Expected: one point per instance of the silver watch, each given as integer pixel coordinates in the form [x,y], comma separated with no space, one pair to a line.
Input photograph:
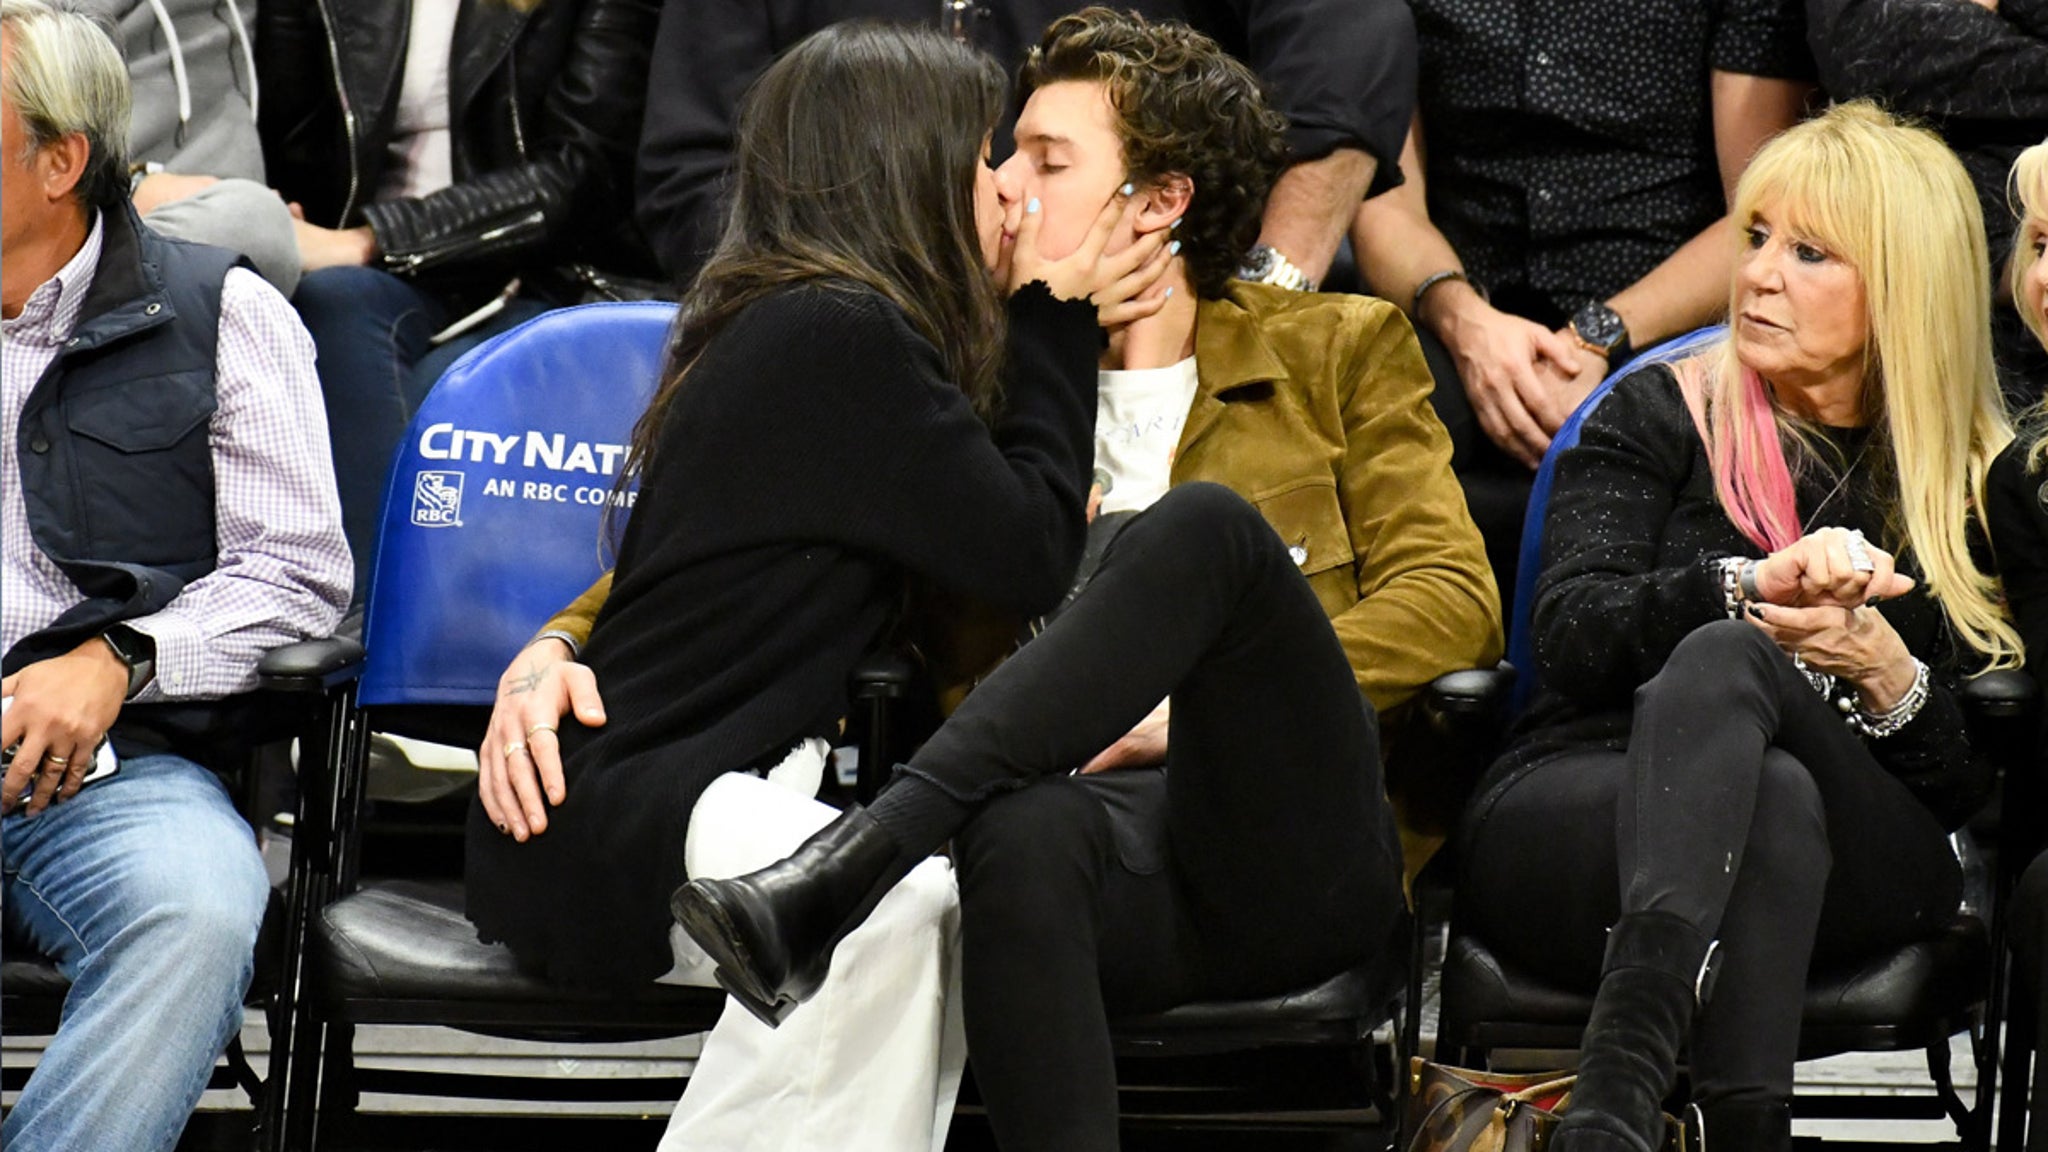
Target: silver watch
[1265,264]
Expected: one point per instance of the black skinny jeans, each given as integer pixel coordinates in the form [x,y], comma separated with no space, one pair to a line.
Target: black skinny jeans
[1744,806]
[1277,863]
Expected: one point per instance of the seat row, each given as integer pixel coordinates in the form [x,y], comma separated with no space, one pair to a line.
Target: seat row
[491,521]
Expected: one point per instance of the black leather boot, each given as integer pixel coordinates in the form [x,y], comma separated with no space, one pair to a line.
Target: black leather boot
[1655,976]
[772,932]
[1743,1127]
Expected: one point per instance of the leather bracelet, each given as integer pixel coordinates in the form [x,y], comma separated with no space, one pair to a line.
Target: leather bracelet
[1881,724]
[1431,281]
[575,649]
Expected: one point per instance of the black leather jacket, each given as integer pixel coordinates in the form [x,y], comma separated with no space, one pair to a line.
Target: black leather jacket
[545,107]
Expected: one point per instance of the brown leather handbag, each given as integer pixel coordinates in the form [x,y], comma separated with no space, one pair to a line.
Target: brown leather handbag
[1464,1110]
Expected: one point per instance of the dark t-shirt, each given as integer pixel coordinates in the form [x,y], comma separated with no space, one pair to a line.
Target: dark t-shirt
[1570,143]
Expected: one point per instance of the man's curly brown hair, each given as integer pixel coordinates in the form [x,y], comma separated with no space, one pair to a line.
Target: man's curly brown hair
[1183,106]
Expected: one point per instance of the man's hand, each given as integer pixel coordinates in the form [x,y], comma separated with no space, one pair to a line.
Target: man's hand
[1142,747]
[1593,368]
[1517,373]
[522,753]
[331,247]
[62,708]
[160,188]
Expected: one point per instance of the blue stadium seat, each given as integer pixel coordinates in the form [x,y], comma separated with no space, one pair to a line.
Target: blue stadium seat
[1521,648]
[493,513]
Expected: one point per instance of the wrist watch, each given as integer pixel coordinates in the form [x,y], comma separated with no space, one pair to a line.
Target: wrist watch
[1265,264]
[137,651]
[1600,330]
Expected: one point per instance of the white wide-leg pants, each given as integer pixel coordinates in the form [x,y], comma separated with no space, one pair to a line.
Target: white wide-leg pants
[873,1061]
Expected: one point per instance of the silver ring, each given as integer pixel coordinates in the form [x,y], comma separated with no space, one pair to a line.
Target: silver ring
[1859,552]
[516,748]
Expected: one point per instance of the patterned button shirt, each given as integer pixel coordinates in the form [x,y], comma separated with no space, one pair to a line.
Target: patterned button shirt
[1569,143]
[283,572]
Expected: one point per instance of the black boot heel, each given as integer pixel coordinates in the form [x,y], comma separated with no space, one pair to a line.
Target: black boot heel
[769,1012]
[772,932]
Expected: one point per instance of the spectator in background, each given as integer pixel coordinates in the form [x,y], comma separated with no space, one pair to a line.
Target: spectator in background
[198,162]
[461,167]
[1568,173]
[1977,72]
[1341,71]
[167,513]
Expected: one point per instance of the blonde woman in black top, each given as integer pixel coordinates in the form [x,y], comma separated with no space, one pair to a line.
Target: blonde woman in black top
[1760,589]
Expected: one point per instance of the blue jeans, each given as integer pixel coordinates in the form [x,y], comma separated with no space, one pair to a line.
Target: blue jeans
[371,331]
[147,891]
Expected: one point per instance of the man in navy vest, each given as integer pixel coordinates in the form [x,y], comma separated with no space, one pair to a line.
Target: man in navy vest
[167,513]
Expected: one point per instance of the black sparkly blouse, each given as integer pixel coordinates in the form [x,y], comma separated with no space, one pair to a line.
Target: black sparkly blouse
[1630,540]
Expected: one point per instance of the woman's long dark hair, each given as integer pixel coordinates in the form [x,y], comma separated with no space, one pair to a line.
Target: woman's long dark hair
[855,165]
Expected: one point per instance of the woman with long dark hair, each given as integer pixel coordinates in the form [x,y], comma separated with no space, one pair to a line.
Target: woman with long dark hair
[850,403]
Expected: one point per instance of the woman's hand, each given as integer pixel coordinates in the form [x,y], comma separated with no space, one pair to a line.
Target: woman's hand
[1142,747]
[1857,645]
[1821,569]
[1081,273]
[522,753]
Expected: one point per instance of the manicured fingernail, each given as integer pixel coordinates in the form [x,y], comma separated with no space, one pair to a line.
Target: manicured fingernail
[1173,249]
[1031,205]
[1169,294]
[1173,225]
[1128,189]
[504,829]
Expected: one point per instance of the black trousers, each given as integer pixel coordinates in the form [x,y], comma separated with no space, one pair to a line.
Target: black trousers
[1264,857]
[1743,805]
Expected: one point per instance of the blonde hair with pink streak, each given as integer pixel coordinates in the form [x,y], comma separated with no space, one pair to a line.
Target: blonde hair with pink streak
[1894,203]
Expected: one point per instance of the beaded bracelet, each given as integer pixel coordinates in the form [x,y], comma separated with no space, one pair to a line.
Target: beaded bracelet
[1882,724]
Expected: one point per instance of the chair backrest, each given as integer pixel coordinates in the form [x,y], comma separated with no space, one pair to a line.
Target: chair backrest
[1521,647]
[495,504]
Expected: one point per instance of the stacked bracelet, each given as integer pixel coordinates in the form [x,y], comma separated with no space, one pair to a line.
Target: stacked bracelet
[1881,724]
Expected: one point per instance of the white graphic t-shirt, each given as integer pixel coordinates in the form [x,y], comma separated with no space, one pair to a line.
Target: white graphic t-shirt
[1138,420]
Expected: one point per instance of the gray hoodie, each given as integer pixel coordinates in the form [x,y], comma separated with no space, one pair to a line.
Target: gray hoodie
[192,66]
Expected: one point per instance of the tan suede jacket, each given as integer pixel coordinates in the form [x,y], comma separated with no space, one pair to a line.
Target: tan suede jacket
[1315,408]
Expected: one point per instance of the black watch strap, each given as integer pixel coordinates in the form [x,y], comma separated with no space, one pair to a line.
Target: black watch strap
[138,651]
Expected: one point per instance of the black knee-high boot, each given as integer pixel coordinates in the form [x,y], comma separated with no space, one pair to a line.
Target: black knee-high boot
[772,932]
[1654,977]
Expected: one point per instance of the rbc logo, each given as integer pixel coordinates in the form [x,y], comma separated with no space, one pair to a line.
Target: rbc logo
[437,500]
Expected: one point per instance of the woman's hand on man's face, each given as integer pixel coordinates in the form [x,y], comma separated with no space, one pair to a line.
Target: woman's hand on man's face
[1086,271]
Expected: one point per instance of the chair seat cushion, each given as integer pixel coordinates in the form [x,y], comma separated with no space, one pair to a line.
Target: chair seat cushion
[1908,997]
[33,979]
[401,952]
[1347,1001]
